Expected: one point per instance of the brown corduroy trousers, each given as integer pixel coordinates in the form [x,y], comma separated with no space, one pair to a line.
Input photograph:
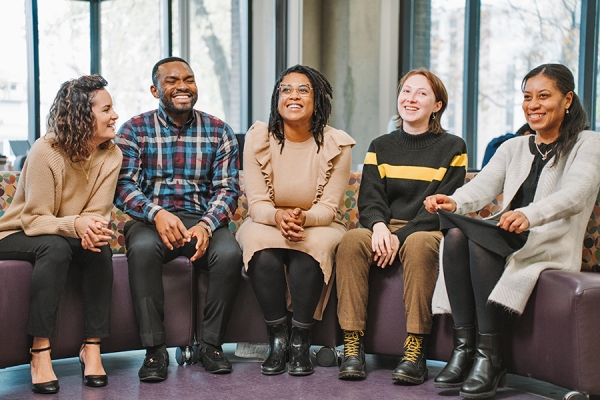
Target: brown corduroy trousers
[419,256]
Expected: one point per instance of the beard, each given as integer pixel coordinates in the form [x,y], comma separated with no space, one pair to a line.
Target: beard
[170,106]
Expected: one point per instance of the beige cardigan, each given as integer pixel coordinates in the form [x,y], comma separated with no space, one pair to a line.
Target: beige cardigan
[273,180]
[52,191]
[557,216]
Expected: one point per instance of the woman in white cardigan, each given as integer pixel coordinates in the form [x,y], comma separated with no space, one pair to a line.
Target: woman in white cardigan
[549,181]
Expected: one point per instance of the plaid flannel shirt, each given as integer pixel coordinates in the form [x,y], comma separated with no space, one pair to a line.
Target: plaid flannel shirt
[190,168]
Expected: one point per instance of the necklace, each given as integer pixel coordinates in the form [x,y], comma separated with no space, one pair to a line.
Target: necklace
[87,173]
[544,155]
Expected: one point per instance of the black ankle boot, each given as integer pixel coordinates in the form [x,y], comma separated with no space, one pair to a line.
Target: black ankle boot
[353,364]
[461,360]
[278,350]
[488,372]
[413,366]
[300,363]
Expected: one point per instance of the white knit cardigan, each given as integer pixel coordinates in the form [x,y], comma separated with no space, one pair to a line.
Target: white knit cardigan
[558,215]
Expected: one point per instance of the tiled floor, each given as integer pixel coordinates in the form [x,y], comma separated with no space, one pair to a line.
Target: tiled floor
[246,381]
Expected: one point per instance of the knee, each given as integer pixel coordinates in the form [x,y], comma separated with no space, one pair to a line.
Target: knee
[55,248]
[354,243]
[423,240]
[454,236]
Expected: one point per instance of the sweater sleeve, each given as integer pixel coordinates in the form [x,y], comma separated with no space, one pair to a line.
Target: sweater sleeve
[324,211]
[373,206]
[43,191]
[260,206]
[453,179]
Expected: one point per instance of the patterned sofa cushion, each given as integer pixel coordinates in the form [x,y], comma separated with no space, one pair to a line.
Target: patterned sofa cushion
[591,242]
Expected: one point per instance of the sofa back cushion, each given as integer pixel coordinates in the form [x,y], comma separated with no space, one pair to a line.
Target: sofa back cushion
[591,242]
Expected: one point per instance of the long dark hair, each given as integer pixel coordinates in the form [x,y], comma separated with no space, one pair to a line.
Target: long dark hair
[323,93]
[72,120]
[576,120]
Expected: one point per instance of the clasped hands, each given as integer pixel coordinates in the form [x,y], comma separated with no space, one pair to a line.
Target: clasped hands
[93,231]
[385,245]
[174,234]
[291,222]
[512,221]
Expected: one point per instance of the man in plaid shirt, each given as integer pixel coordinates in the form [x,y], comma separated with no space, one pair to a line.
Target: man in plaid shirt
[179,183]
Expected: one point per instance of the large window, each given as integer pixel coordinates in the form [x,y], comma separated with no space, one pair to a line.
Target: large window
[515,37]
[215,56]
[13,75]
[131,46]
[132,36]
[64,47]
[447,44]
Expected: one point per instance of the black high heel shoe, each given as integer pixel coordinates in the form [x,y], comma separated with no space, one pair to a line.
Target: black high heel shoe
[91,380]
[46,387]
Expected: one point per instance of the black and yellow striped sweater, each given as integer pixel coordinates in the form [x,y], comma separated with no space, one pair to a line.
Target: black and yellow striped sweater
[400,170]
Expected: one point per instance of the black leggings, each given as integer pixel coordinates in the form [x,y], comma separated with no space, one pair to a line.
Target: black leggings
[471,273]
[267,275]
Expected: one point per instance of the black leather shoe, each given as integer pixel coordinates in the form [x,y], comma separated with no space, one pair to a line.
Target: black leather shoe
[413,366]
[50,387]
[213,359]
[461,360]
[300,363]
[155,367]
[91,380]
[488,372]
[278,350]
[45,388]
[353,364]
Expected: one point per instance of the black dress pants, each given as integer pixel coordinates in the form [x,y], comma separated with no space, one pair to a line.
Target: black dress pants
[51,256]
[146,254]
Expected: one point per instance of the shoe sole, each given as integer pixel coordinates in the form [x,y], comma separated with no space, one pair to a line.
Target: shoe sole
[352,375]
[220,371]
[302,373]
[152,379]
[410,379]
[446,385]
[273,372]
[501,383]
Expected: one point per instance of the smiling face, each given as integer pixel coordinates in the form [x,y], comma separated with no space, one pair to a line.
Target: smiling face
[294,108]
[545,106]
[176,88]
[416,103]
[106,117]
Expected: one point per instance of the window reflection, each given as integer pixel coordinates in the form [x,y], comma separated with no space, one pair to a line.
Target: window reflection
[516,37]
[131,46]
[215,40]
[447,59]
[64,39]
[13,75]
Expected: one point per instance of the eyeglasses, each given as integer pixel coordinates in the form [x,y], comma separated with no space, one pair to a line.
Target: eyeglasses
[286,90]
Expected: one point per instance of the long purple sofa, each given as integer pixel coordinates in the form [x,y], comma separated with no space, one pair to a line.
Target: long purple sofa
[556,340]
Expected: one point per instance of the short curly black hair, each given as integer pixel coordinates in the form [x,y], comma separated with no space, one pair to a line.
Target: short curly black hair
[323,93]
[164,61]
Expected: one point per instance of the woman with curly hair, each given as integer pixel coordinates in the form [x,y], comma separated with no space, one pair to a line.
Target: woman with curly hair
[293,217]
[59,216]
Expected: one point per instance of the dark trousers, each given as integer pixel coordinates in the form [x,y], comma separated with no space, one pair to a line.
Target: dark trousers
[146,254]
[304,279]
[51,256]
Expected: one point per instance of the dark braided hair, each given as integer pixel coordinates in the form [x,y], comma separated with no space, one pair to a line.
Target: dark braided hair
[573,122]
[323,93]
[72,120]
